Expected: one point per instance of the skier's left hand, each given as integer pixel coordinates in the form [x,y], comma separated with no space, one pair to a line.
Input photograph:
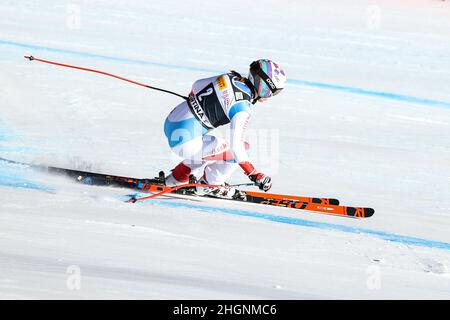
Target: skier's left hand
[261,181]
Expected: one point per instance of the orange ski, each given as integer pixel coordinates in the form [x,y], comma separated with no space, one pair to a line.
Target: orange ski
[356,212]
[294,202]
[322,205]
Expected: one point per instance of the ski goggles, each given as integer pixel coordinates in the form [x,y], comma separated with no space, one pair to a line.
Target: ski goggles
[266,88]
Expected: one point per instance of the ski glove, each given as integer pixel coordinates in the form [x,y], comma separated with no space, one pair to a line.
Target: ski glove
[261,181]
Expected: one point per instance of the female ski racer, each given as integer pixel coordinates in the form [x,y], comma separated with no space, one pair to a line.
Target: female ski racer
[214,102]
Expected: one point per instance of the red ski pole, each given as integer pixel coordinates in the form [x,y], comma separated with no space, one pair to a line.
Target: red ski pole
[31,58]
[171,189]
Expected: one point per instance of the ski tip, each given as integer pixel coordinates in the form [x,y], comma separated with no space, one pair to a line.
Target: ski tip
[368,212]
[8,161]
[359,212]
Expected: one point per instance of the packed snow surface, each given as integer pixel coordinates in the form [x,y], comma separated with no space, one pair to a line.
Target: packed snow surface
[365,118]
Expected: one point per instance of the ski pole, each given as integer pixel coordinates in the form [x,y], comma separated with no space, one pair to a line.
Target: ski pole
[243,184]
[169,190]
[31,58]
[134,199]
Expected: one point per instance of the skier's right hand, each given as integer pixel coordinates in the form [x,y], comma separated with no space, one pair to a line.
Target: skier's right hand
[261,181]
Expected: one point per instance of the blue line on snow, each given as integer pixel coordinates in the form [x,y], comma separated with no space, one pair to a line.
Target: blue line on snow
[10,175]
[379,94]
[13,176]
[351,90]
[13,181]
[312,224]
[5,135]
[104,57]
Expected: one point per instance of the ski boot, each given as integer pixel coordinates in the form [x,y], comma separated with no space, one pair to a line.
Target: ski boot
[224,191]
[160,179]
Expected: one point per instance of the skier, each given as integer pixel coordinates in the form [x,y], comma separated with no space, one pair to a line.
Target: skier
[213,102]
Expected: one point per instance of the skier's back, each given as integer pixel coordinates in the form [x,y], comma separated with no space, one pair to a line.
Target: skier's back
[213,102]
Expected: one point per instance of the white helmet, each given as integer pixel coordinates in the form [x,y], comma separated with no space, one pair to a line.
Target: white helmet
[267,78]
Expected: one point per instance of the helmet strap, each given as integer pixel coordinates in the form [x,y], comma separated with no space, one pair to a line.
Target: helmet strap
[249,84]
[256,99]
[237,74]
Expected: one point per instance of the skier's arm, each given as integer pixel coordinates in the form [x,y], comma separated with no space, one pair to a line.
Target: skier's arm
[240,116]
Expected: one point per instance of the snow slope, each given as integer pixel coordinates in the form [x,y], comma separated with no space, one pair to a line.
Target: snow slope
[365,119]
